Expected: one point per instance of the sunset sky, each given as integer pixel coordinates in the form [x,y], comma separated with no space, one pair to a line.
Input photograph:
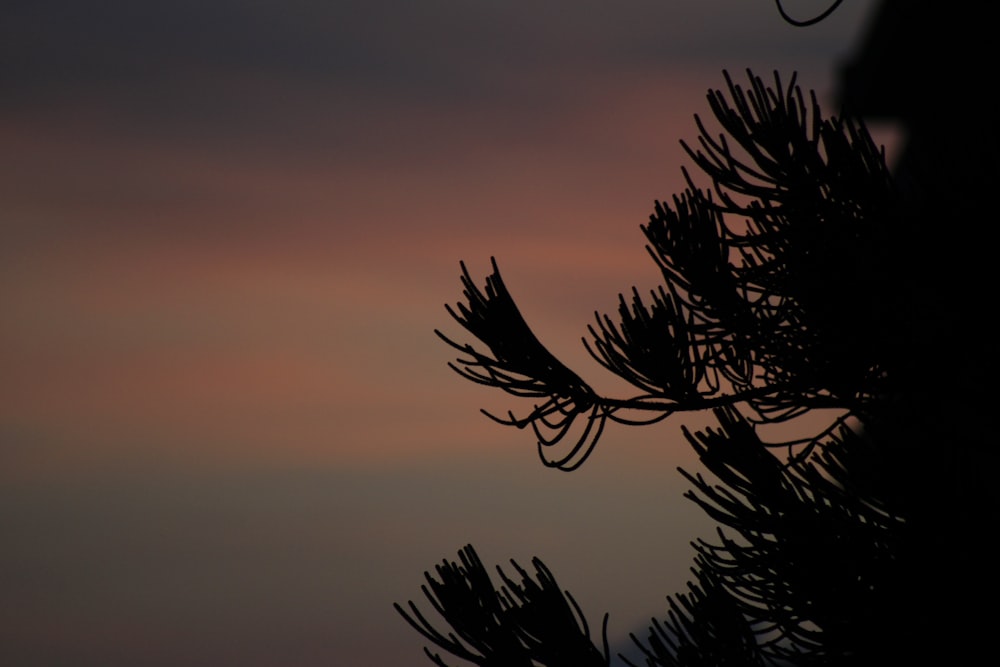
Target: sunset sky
[228,433]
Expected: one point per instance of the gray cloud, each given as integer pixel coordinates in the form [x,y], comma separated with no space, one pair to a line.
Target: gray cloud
[355,72]
[433,45]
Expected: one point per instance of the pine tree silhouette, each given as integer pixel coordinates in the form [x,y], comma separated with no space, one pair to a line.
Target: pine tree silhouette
[786,289]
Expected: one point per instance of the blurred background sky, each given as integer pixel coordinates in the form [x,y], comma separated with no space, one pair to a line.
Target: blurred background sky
[228,434]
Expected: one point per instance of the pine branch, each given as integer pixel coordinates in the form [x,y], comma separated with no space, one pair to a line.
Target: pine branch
[783,525]
[526,623]
[773,287]
[703,628]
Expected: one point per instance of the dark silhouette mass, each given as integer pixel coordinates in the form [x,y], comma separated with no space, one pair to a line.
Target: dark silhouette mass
[804,275]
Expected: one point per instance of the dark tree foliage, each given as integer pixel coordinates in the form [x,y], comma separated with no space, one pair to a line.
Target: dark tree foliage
[522,624]
[781,295]
[772,290]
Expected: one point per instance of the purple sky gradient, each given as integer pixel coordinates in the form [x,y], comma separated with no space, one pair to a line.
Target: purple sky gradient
[228,434]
